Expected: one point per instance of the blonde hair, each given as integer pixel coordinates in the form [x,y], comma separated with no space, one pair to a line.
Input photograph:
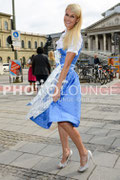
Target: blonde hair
[51,55]
[74,33]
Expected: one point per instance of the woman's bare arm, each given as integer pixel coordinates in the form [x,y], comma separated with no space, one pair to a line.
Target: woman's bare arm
[29,65]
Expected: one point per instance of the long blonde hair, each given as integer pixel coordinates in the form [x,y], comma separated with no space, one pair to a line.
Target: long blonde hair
[74,33]
[51,55]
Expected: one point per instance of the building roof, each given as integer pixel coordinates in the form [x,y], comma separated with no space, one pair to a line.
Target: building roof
[111,10]
[33,34]
[55,35]
[4,14]
[101,20]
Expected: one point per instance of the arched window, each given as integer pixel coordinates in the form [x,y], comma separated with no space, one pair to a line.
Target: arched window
[41,44]
[22,44]
[8,59]
[29,44]
[35,44]
[24,60]
[6,25]
[0,59]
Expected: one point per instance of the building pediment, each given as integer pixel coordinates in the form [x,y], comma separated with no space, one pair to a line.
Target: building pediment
[113,20]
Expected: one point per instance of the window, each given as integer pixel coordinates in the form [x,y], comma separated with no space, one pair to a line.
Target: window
[41,44]
[29,44]
[0,59]
[35,44]
[86,45]
[24,60]
[8,59]
[22,44]
[6,25]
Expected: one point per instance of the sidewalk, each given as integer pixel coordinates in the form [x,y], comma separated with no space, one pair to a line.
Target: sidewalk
[28,152]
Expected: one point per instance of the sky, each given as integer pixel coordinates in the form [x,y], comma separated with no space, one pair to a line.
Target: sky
[46,16]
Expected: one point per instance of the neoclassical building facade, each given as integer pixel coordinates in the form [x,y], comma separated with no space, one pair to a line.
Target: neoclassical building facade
[99,37]
[29,41]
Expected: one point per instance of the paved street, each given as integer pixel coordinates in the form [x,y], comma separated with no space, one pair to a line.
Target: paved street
[28,152]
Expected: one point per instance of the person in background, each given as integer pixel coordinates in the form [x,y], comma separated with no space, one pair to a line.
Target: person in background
[96,60]
[51,60]
[31,77]
[111,64]
[40,66]
[23,65]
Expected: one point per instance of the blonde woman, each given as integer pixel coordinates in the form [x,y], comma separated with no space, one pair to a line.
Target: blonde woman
[51,58]
[62,103]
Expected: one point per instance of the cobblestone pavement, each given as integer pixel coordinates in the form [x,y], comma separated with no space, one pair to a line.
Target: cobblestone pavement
[27,174]
[28,152]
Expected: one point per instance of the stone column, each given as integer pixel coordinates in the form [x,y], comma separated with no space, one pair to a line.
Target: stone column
[104,42]
[9,24]
[32,43]
[96,42]
[26,42]
[3,41]
[2,24]
[89,43]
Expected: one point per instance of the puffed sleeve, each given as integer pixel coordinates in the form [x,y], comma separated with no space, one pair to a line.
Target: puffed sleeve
[76,48]
[29,61]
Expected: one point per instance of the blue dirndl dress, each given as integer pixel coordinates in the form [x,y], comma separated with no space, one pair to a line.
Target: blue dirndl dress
[44,110]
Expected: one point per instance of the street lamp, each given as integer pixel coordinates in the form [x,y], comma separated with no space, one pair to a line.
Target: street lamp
[14,25]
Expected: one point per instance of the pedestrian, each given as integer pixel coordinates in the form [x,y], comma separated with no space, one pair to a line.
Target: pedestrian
[31,77]
[62,103]
[40,66]
[23,65]
[96,60]
[51,58]
[112,67]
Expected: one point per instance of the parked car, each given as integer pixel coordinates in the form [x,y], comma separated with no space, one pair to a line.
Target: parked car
[5,67]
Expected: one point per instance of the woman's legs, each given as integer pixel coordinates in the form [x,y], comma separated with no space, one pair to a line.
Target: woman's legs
[64,141]
[34,86]
[76,138]
[30,87]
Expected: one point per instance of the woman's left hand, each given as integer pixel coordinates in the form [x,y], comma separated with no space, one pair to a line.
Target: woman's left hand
[56,94]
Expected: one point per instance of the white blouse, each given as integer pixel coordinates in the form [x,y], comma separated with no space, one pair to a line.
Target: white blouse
[71,48]
[29,61]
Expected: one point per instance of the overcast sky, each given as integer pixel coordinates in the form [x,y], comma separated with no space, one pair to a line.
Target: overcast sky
[46,16]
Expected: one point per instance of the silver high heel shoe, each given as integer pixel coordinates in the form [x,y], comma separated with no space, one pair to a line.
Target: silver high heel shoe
[86,166]
[62,165]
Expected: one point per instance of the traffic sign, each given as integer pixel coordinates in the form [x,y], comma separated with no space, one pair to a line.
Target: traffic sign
[15,35]
[16,42]
[17,45]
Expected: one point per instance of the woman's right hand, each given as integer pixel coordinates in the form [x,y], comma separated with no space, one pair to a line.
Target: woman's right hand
[56,94]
